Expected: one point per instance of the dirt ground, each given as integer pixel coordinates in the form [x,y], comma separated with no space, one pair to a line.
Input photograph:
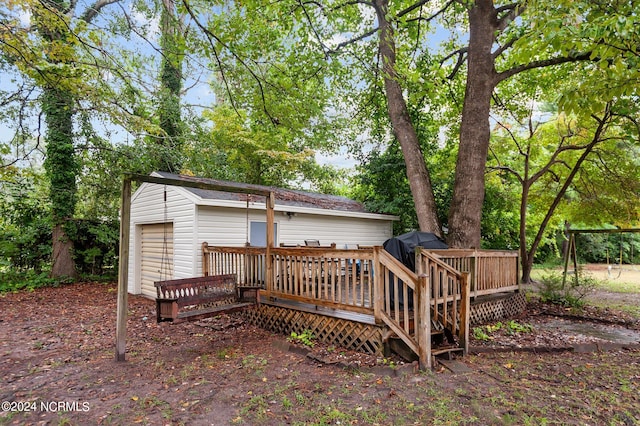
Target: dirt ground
[57,366]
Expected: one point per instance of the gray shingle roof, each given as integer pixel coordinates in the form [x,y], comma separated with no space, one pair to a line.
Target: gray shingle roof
[283,196]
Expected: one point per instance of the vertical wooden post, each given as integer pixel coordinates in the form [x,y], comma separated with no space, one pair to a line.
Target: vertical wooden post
[423,319]
[465,306]
[205,259]
[378,286]
[422,312]
[473,270]
[270,201]
[518,279]
[566,259]
[123,270]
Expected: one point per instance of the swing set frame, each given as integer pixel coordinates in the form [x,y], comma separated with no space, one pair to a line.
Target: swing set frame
[125,232]
[572,255]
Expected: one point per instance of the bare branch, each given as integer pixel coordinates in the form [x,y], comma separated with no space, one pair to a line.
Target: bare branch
[212,38]
[93,10]
[462,57]
[430,18]
[542,63]
[412,8]
[501,49]
[353,40]
[510,12]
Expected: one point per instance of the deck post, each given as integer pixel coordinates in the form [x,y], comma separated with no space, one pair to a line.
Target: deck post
[473,270]
[465,304]
[270,202]
[423,320]
[123,270]
[422,316]
[378,287]
[205,259]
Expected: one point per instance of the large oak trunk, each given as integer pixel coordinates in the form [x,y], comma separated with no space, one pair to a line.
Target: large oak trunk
[417,173]
[468,195]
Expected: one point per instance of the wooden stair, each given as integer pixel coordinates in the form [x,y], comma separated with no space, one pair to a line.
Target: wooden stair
[443,344]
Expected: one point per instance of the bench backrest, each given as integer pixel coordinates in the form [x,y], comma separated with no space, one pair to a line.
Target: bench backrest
[191,291]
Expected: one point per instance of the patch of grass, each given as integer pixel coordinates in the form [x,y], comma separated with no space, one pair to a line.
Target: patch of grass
[511,327]
[257,407]
[224,353]
[631,309]
[300,399]
[615,286]
[254,363]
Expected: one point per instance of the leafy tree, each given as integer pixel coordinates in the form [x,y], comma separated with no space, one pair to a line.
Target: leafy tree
[273,107]
[25,233]
[63,66]
[551,163]
[246,153]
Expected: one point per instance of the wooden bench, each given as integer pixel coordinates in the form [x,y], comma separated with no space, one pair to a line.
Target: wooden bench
[200,297]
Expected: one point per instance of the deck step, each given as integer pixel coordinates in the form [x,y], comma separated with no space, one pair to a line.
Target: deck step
[446,352]
[455,366]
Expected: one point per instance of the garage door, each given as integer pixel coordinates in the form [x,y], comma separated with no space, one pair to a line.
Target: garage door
[157,256]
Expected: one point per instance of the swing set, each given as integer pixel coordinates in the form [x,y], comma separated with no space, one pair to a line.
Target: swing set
[571,254]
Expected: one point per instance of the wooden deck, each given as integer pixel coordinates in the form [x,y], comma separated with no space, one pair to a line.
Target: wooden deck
[370,286]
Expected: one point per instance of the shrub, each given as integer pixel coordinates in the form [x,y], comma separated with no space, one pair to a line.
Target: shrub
[571,294]
[13,280]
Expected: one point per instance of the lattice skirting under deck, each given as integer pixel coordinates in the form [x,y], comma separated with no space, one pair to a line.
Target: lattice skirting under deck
[497,308]
[361,337]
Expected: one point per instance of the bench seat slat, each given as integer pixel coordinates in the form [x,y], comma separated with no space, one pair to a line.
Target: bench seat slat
[202,313]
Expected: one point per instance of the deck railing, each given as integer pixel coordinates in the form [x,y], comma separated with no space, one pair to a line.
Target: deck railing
[370,281]
[337,279]
[326,277]
[247,263]
[398,302]
[491,271]
[449,295]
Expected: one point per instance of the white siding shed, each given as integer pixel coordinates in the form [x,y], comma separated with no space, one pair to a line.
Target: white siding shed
[170,223]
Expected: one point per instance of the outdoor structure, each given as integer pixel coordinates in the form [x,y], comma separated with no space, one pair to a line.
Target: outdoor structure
[339,284]
[169,224]
[571,254]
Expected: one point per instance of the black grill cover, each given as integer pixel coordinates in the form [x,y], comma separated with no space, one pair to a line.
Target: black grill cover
[403,247]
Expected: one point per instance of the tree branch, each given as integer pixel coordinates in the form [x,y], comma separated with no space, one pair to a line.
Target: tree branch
[325,49]
[602,124]
[461,59]
[211,37]
[93,10]
[540,64]
[353,40]
[512,11]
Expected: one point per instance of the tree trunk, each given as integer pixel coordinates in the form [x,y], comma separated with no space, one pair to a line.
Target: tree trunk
[525,262]
[170,89]
[403,129]
[63,263]
[61,167]
[468,194]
